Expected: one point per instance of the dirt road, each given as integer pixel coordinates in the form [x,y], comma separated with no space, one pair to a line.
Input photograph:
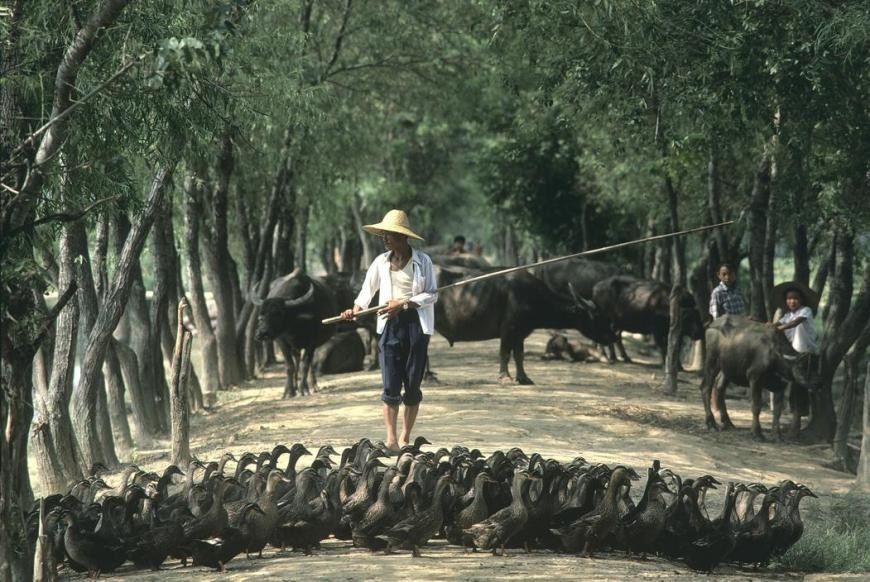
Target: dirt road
[606,413]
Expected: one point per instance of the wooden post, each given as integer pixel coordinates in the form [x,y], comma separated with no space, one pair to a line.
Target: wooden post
[672,360]
[44,568]
[179,403]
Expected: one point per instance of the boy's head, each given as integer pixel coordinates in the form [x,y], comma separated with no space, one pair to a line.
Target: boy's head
[727,274]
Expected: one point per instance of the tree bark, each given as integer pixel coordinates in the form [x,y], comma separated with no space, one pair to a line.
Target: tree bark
[678,243]
[301,247]
[164,295]
[114,379]
[85,394]
[138,397]
[758,211]
[843,327]
[179,404]
[801,254]
[846,408]
[863,482]
[714,203]
[199,307]
[769,252]
[675,333]
[134,334]
[54,442]
[821,276]
[218,258]
[356,209]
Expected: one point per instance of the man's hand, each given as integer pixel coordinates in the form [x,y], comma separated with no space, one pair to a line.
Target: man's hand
[392,309]
[348,314]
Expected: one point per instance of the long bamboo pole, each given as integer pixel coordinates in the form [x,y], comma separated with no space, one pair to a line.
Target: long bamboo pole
[608,248]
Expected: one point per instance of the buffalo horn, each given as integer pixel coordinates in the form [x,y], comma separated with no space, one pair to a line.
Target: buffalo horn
[581,301]
[301,300]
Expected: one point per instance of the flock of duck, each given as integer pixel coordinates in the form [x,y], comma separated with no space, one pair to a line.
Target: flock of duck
[505,500]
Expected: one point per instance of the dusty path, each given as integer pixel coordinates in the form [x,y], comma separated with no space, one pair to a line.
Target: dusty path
[605,413]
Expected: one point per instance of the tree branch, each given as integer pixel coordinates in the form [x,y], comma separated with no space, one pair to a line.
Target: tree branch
[53,313]
[338,40]
[62,216]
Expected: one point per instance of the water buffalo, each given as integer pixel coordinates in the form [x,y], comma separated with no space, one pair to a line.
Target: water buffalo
[510,308]
[643,306]
[579,275]
[291,316]
[343,353]
[757,355]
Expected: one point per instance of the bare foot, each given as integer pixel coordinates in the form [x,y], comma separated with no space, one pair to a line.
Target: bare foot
[393,447]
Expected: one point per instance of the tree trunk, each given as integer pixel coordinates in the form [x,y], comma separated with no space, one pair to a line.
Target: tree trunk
[54,442]
[199,307]
[356,209]
[801,254]
[678,243]
[863,482]
[715,206]
[843,327]
[138,331]
[301,250]
[758,210]
[114,379]
[85,394]
[179,404]
[821,276]
[675,333]
[138,396]
[89,306]
[846,408]
[218,260]
[165,285]
[769,252]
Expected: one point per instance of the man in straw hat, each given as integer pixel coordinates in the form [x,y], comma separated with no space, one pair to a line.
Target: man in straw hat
[406,281]
[798,301]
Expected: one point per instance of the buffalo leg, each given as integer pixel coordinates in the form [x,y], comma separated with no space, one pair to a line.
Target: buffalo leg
[290,365]
[755,387]
[721,386]
[778,398]
[504,354]
[621,348]
[307,357]
[611,353]
[710,372]
[519,354]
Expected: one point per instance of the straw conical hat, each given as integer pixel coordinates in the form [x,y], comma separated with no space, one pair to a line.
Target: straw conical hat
[394,221]
[811,298]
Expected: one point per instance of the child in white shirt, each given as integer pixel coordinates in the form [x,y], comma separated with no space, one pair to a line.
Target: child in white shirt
[797,322]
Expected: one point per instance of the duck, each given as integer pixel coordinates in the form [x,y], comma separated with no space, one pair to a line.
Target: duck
[498,529]
[152,547]
[262,523]
[217,552]
[755,543]
[640,527]
[598,525]
[377,517]
[95,553]
[416,530]
[794,515]
[709,550]
[469,514]
[315,520]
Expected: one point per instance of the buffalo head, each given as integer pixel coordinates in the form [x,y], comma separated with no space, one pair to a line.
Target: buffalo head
[276,314]
[591,321]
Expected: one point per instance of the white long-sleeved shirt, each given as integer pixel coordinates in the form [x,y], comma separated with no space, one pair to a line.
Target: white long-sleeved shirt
[422,288]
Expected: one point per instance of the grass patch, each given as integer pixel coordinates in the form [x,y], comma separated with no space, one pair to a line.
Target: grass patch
[836,537]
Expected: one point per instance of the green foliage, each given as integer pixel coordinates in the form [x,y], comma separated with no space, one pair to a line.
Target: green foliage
[836,537]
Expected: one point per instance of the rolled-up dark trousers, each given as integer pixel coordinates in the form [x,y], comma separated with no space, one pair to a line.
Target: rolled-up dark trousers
[403,359]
